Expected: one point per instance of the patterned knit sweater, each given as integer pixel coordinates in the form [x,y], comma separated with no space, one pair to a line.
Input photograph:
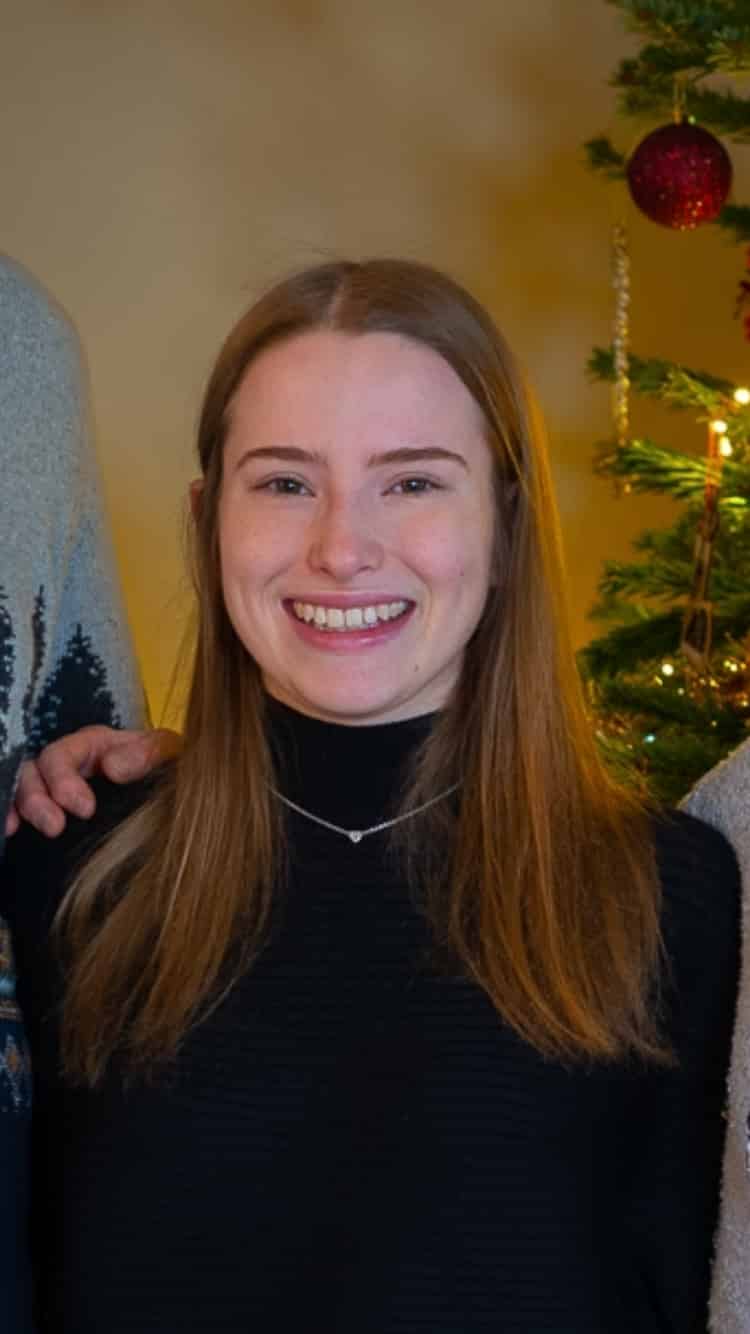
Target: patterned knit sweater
[65,653]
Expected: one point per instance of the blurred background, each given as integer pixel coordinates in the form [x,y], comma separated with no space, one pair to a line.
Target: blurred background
[163,162]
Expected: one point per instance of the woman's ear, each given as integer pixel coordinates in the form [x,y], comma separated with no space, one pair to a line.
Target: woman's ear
[196,494]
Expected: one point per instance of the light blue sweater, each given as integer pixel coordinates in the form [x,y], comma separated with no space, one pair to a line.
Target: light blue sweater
[65,652]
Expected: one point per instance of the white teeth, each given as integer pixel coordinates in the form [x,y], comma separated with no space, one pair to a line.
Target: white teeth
[349,618]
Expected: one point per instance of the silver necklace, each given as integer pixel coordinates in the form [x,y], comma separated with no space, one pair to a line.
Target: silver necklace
[356,835]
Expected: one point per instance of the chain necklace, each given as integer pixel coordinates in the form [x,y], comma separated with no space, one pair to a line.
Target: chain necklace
[356,835]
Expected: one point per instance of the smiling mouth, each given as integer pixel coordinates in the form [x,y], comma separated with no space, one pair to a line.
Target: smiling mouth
[364,617]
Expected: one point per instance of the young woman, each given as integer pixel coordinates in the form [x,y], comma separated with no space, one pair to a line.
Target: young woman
[380,1008]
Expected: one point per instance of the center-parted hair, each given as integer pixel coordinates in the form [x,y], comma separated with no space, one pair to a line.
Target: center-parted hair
[539,882]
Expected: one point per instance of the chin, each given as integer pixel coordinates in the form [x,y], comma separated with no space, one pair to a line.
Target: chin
[347,707]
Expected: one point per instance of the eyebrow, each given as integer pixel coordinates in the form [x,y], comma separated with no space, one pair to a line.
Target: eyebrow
[406,454]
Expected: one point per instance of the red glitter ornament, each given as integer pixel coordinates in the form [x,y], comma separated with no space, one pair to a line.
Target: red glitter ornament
[680,176]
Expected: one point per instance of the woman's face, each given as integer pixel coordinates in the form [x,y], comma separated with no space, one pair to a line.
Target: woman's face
[356,524]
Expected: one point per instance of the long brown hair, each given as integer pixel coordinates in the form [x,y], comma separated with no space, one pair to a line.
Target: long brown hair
[550,899]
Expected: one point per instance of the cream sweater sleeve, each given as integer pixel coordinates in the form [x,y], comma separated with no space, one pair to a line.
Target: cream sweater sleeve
[722,799]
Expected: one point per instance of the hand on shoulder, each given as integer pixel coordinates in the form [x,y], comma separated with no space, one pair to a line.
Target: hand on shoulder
[56,781]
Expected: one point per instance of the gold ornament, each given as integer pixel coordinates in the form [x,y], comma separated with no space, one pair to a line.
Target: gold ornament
[621,333]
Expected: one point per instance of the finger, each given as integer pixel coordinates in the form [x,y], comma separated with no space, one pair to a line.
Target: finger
[65,765]
[12,822]
[136,754]
[33,803]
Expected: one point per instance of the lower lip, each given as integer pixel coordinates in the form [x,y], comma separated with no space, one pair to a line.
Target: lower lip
[345,641]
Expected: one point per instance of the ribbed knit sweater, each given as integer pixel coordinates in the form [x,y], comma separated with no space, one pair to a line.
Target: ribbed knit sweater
[353,1142]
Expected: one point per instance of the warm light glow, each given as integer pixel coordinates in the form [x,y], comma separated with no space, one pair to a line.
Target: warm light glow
[719,427]
[667,669]
[742,395]
[725,448]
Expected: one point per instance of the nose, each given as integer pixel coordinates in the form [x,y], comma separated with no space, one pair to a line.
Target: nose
[342,544]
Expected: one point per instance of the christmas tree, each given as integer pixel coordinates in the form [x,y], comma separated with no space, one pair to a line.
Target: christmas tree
[668,678]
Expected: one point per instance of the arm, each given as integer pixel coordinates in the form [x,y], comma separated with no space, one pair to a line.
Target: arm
[56,781]
[65,653]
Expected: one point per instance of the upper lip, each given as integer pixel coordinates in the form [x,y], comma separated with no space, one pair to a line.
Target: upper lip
[345,600]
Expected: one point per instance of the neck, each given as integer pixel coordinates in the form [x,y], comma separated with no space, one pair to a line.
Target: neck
[352,776]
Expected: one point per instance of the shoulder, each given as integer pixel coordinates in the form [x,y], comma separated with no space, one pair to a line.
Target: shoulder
[29,313]
[722,797]
[35,870]
[700,883]
[43,397]
[698,869]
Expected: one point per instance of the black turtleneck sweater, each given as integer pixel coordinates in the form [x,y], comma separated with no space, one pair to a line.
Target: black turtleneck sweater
[354,1144]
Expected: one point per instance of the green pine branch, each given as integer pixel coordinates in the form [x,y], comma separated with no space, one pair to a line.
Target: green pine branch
[651,579]
[649,467]
[670,765]
[644,93]
[626,647]
[735,218]
[666,580]
[660,704]
[659,379]
[735,614]
[603,157]
[619,611]
[682,21]
[673,543]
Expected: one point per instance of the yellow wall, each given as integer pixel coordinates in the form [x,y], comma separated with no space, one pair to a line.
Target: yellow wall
[161,161]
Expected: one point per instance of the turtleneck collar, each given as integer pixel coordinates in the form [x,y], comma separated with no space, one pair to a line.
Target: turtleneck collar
[350,775]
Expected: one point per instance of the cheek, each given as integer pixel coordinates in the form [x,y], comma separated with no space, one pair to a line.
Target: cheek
[248,553]
[454,557]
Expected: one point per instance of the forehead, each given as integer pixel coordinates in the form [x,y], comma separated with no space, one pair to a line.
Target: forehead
[313,386]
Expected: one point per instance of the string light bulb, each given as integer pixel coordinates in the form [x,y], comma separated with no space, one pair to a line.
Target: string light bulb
[719,427]
[742,395]
[725,448]
[667,669]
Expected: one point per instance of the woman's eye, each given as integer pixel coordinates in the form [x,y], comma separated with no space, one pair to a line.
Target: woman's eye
[284,486]
[415,486]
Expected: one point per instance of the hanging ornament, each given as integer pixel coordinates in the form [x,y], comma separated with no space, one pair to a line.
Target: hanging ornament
[680,176]
[697,624]
[620,332]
